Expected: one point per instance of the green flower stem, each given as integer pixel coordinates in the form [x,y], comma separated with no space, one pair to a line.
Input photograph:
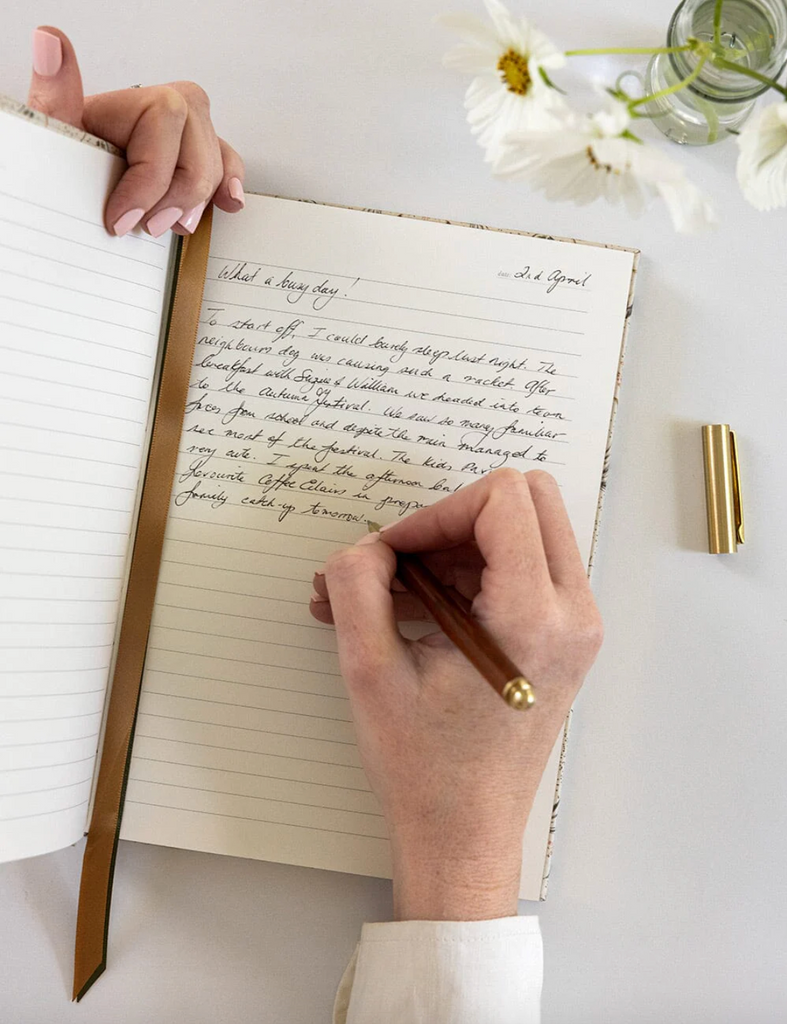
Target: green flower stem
[717,23]
[728,65]
[673,88]
[628,49]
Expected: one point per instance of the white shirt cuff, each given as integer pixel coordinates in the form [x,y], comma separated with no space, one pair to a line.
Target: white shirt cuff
[444,972]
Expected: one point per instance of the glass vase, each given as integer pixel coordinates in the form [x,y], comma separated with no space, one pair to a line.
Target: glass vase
[718,101]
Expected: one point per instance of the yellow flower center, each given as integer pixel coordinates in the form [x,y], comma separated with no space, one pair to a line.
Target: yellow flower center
[513,68]
[597,165]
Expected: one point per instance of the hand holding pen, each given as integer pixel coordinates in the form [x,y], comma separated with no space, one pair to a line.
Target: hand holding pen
[455,769]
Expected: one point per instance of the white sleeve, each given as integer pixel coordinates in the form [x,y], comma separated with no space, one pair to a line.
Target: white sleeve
[444,972]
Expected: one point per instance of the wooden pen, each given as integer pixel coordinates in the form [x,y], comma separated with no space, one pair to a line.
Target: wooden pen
[451,612]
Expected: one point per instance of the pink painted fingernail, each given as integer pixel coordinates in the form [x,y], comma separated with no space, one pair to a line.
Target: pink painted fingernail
[235,190]
[163,220]
[319,598]
[190,218]
[47,53]
[369,538]
[128,221]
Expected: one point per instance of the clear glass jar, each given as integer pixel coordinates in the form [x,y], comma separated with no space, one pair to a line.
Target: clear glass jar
[718,101]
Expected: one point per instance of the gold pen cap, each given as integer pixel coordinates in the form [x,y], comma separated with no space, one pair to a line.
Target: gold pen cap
[722,489]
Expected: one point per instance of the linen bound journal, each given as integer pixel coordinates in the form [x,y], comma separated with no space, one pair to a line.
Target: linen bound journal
[187,430]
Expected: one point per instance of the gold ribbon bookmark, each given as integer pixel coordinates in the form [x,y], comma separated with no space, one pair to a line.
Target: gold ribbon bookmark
[98,865]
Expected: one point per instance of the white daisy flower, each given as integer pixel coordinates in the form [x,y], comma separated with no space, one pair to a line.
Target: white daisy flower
[762,163]
[589,157]
[509,93]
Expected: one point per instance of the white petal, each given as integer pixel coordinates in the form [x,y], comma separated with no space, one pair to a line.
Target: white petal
[506,27]
[471,29]
[690,210]
[762,163]
[613,119]
[470,59]
[653,165]
[543,51]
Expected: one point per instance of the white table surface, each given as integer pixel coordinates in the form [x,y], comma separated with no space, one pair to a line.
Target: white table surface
[668,899]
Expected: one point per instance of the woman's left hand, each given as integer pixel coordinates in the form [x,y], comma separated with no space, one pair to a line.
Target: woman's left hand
[176,162]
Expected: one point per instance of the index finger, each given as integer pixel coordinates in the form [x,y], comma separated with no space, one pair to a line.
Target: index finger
[148,124]
[497,511]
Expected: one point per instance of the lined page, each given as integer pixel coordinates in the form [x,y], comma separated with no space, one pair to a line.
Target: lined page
[79,326]
[349,366]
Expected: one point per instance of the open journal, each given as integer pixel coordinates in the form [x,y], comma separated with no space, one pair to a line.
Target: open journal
[348,365]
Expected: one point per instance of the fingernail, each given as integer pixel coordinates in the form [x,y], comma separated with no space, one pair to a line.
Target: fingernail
[235,190]
[128,221]
[319,574]
[163,220]
[368,538]
[190,218]
[47,53]
[319,598]
[386,527]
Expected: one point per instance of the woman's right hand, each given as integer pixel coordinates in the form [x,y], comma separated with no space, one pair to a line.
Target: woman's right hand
[454,767]
[176,162]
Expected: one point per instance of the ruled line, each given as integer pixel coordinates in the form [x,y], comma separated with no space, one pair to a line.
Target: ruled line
[218,303]
[469,451]
[246,728]
[250,707]
[71,337]
[68,384]
[235,615]
[83,316]
[47,789]
[243,639]
[65,480]
[74,216]
[251,551]
[46,696]
[66,504]
[413,309]
[263,821]
[77,266]
[58,526]
[43,767]
[249,796]
[62,455]
[43,814]
[244,572]
[70,433]
[399,284]
[253,775]
[246,661]
[230,593]
[73,241]
[68,408]
[247,750]
[76,362]
[45,743]
[237,682]
[80,291]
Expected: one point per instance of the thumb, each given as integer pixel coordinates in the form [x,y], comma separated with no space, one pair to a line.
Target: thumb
[370,645]
[56,85]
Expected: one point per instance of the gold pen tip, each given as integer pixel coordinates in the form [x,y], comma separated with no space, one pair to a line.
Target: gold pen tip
[372,527]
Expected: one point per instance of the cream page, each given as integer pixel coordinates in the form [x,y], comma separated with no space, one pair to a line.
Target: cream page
[80,316]
[349,366]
